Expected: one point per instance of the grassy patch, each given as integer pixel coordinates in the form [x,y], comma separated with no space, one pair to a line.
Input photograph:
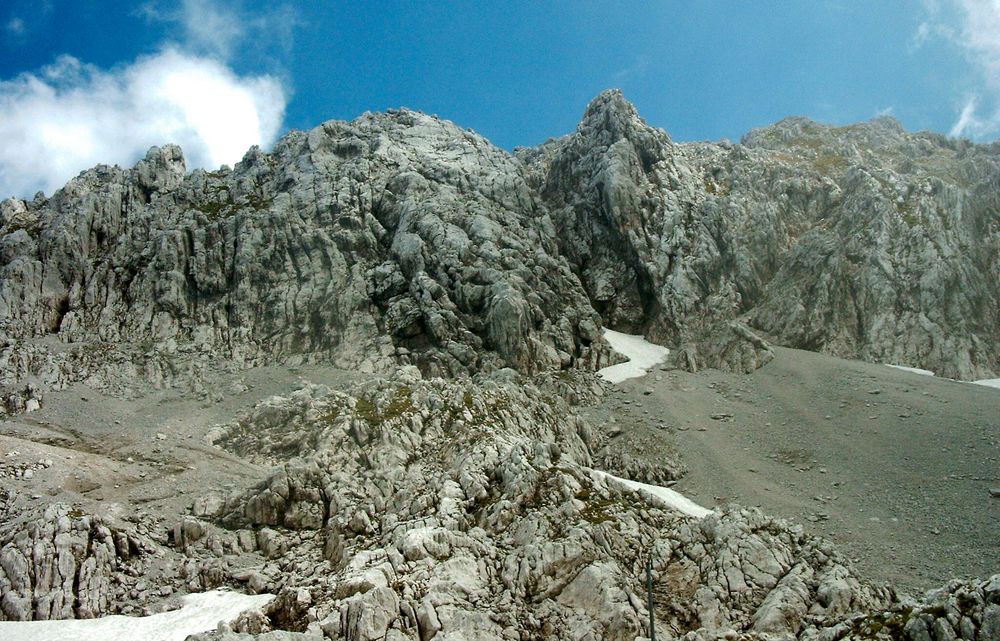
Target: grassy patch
[880,626]
[597,510]
[399,405]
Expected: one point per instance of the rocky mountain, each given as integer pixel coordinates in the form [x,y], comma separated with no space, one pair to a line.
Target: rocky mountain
[447,484]
[396,238]
[399,238]
[862,241]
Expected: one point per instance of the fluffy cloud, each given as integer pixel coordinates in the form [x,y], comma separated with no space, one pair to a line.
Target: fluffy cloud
[70,116]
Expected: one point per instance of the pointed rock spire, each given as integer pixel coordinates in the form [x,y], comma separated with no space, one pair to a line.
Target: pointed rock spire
[611,115]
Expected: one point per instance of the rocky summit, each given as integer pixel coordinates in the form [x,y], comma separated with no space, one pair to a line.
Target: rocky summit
[357,373]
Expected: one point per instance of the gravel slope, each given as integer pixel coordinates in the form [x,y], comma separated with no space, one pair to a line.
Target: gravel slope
[894,467]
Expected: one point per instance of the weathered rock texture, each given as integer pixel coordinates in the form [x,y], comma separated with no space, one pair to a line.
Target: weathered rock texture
[58,564]
[393,237]
[862,241]
[420,509]
[468,510]
[456,498]
[402,238]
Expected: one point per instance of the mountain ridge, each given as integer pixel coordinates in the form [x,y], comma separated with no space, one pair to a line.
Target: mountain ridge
[356,372]
[812,235]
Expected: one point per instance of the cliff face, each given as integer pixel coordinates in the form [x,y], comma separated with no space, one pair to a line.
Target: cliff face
[396,237]
[399,238]
[897,266]
[862,241]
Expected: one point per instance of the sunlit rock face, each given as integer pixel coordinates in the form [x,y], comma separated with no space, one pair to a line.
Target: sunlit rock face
[460,493]
[394,238]
[862,241]
[400,238]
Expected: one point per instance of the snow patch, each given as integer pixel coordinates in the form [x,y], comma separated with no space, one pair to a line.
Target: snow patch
[986,382]
[676,500]
[642,356]
[915,370]
[200,613]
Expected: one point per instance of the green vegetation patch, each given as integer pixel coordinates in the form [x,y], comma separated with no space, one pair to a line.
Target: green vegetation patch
[881,626]
[400,404]
[597,510]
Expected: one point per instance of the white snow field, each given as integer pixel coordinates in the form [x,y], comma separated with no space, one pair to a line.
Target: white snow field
[642,356]
[676,500]
[915,370]
[988,382]
[200,613]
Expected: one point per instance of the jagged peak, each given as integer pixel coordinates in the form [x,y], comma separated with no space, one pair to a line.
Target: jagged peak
[163,168]
[610,101]
[610,114]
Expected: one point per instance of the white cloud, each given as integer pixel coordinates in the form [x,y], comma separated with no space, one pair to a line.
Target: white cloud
[208,28]
[70,116]
[967,119]
[980,37]
[976,31]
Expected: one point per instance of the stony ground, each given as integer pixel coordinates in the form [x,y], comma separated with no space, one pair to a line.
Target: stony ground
[106,455]
[894,467]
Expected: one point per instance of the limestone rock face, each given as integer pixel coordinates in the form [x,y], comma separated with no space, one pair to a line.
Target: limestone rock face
[399,238]
[891,269]
[61,565]
[657,252]
[395,237]
[862,241]
[458,494]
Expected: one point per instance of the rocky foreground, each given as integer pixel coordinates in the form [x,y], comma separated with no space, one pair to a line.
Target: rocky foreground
[455,490]
[428,508]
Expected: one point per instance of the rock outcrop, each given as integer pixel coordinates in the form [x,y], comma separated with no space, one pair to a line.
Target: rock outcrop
[421,509]
[394,238]
[729,346]
[59,564]
[862,242]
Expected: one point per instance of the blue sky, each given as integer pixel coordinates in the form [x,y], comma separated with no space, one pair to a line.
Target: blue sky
[93,81]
